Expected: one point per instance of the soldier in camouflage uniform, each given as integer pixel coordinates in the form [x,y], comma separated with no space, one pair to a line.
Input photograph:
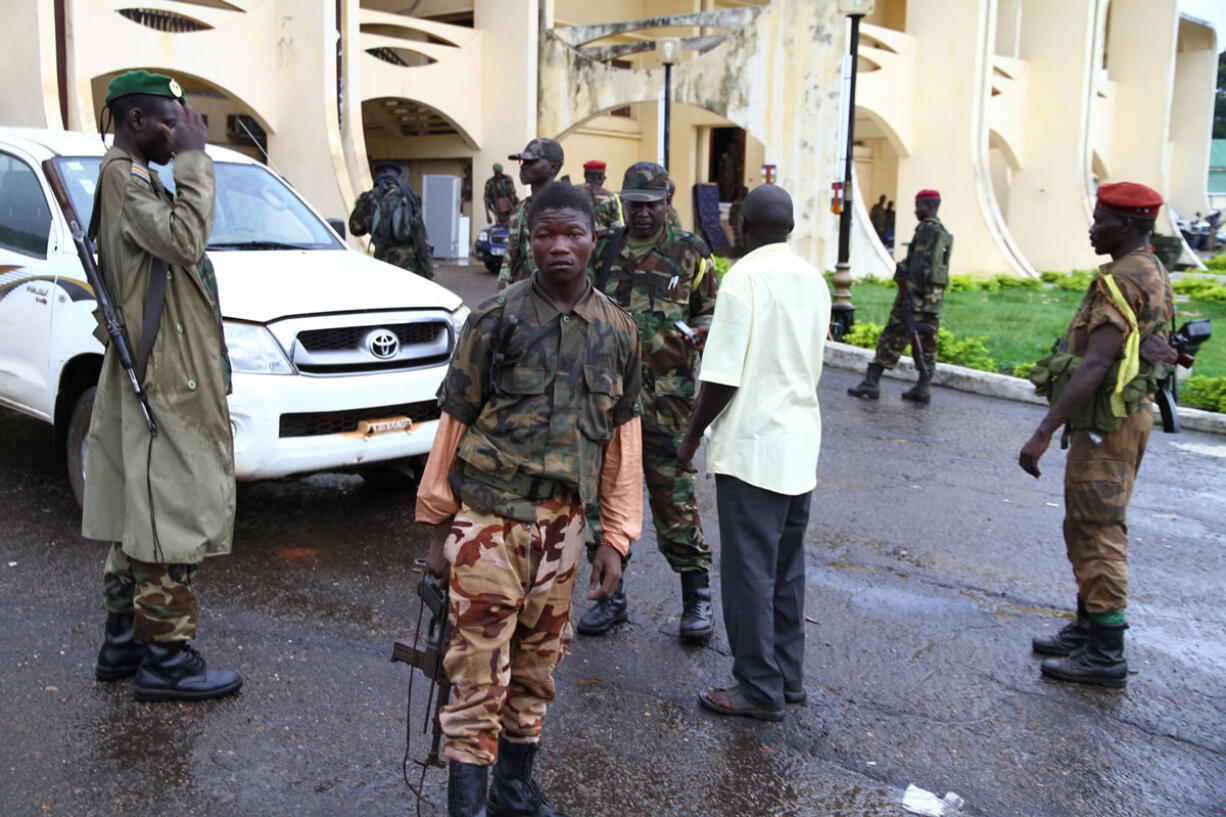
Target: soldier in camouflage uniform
[604,203]
[661,275]
[540,417]
[166,502]
[922,277]
[539,164]
[391,213]
[500,197]
[1116,351]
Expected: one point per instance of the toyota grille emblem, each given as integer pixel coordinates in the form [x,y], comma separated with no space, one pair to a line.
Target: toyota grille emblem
[383,344]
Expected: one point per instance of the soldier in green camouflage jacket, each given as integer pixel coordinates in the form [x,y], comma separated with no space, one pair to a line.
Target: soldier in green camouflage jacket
[391,213]
[661,275]
[540,417]
[922,277]
[605,204]
[500,197]
[539,164]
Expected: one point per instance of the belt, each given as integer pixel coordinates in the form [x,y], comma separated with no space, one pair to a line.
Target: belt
[529,487]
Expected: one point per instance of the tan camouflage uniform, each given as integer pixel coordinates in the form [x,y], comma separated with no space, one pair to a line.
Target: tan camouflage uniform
[1099,478]
[500,186]
[606,206]
[518,263]
[529,458]
[668,280]
[924,298]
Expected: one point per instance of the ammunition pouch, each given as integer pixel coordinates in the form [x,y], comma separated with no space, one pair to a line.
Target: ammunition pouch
[938,274]
[1051,376]
[533,489]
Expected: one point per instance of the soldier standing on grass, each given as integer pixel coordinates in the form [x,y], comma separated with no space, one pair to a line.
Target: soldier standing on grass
[539,164]
[165,501]
[661,275]
[391,213]
[922,277]
[540,417]
[1116,351]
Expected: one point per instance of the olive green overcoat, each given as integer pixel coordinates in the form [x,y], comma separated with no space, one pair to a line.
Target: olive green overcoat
[190,472]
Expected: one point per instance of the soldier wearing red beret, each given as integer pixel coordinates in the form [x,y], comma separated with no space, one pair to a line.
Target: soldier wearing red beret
[605,204]
[922,277]
[1100,381]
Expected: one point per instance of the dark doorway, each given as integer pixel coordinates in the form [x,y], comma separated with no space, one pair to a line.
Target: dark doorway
[727,163]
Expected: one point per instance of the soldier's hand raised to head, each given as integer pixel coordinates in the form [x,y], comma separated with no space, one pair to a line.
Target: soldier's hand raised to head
[190,133]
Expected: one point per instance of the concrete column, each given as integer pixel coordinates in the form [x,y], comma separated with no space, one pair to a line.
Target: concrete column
[509,79]
[1050,199]
[31,98]
[949,151]
[1192,118]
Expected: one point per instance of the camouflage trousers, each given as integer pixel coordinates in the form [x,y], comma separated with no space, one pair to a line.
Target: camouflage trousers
[510,594]
[1098,483]
[159,595]
[405,258]
[895,337]
[670,490]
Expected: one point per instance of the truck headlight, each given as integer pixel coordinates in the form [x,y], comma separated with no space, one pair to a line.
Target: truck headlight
[484,235]
[253,350]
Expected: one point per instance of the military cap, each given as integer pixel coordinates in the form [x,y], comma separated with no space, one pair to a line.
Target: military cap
[594,164]
[927,193]
[143,82]
[540,149]
[645,181]
[497,167]
[384,165]
[1129,199]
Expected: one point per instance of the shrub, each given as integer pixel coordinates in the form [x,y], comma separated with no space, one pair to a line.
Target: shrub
[1018,282]
[722,265]
[1205,392]
[864,334]
[970,352]
[1076,281]
[1022,370]
[1217,262]
[963,283]
[1194,285]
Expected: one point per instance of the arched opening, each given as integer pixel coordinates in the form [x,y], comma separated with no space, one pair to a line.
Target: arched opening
[232,123]
[705,148]
[876,168]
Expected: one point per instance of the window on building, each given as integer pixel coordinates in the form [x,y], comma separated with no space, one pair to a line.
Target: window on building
[25,216]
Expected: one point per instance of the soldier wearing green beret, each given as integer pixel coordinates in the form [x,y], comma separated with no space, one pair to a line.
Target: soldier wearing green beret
[661,275]
[539,164]
[165,501]
[500,197]
[391,213]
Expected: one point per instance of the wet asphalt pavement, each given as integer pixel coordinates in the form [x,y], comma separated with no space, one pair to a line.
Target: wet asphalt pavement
[932,560]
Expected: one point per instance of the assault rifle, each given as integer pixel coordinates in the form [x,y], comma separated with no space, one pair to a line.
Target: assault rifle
[1184,343]
[915,330]
[106,308]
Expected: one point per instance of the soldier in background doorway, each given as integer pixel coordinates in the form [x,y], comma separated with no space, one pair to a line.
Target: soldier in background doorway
[922,277]
[391,213]
[500,196]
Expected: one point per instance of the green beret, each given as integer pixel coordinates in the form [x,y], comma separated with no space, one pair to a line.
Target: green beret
[143,82]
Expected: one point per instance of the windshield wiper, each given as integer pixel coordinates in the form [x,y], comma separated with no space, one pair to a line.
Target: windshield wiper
[256,245]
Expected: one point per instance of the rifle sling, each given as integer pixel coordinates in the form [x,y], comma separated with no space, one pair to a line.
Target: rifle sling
[610,253]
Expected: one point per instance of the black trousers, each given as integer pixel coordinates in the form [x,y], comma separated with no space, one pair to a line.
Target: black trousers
[762,582]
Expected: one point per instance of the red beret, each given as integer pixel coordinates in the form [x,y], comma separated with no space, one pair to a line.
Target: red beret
[927,193]
[1129,199]
[594,164]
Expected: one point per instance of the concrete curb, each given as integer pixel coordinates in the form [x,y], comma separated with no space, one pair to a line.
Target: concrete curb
[991,384]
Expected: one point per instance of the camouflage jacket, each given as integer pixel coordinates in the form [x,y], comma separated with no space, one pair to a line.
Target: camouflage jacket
[518,263]
[1144,286]
[606,206]
[674,218]
[926,267]
[673,281]
[541,393]
[499,185]
[411,251]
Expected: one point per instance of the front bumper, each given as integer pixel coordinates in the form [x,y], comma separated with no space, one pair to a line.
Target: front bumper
[259,401]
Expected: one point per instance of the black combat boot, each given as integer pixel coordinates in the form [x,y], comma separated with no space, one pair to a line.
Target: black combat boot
[174,671]
[121,653]
[466,785]
[919,392]
[514,792]
[605,613]
[869,387]
[696,605]
[1072,636]
[1101,662]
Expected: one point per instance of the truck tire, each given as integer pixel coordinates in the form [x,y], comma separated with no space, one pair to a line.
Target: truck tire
[394,475]
[493,265]
[78,432]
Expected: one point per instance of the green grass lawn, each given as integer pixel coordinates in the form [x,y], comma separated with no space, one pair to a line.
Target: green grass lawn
[1019,326]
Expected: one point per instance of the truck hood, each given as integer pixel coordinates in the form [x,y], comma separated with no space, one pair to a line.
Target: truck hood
[262,286]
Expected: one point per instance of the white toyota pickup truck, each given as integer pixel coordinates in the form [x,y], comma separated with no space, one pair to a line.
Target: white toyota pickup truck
[336,356]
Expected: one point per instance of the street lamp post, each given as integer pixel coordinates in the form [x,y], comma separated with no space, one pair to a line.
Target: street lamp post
[843,313]
[668,49]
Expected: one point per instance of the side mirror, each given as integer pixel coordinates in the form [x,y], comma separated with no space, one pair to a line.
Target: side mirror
[337,224]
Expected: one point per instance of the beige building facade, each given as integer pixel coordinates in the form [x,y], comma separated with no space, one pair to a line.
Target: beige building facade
[1015,109]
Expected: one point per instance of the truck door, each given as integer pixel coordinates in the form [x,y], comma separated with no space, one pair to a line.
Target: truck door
[28,288]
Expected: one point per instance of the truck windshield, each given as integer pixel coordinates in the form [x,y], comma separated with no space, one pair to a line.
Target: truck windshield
[255,210]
